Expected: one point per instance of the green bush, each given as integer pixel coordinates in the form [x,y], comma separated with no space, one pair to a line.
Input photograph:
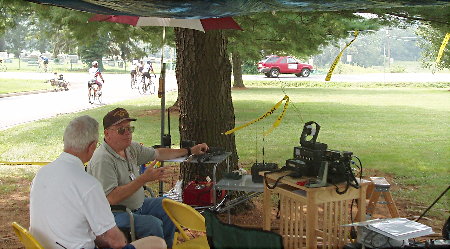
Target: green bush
[250,67]
[398,69]
[343,68]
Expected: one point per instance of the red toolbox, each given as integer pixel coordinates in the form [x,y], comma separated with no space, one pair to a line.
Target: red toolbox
[201,194]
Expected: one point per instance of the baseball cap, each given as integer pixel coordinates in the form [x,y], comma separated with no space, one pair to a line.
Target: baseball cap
[94,63]
[116,116]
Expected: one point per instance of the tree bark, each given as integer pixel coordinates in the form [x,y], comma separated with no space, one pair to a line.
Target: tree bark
[237,69]
[203,73]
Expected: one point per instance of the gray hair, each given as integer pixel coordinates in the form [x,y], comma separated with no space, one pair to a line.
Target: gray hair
[80,133]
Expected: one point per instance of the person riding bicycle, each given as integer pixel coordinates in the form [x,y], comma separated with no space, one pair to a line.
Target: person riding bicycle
[134,69]
[94,72]
[44,61]
[147,69]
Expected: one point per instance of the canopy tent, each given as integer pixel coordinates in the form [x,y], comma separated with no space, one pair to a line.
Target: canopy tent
[198,9]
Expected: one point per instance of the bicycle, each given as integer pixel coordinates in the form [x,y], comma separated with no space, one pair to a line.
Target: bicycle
[94,93]
[134,82]
[43,68]
[144,87]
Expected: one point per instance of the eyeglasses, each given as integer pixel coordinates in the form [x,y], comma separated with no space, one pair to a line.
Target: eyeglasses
[122,130]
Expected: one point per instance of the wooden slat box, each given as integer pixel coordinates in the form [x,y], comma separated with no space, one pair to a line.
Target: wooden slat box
[312,217]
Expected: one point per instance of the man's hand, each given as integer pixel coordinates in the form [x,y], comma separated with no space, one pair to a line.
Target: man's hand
[113,238]
[153,174]
[199,149]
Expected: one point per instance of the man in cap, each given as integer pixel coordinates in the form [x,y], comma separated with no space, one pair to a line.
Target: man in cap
[116,165]
[68,208]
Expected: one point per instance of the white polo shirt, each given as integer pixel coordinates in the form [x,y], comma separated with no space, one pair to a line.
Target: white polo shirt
[68,207]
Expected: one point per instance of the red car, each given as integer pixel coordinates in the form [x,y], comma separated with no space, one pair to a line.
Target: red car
[274,65]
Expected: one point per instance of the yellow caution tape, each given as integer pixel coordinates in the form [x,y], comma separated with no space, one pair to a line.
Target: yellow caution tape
[272,110]
[330,72]
[441,50]
[24,163]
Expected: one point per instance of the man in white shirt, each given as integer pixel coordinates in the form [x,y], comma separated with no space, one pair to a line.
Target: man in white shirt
[68,208]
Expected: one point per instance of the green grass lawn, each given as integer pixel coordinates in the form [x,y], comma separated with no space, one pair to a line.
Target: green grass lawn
[18,85]
[401,132]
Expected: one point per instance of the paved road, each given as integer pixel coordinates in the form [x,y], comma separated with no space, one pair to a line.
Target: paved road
[21,109]
[372,77]
[26,108]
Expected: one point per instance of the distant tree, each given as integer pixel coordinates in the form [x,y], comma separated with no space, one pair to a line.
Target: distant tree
[94,51]
[17,37]
[433,22]
[431,44]
[63,30]
[10,13]
[374,48]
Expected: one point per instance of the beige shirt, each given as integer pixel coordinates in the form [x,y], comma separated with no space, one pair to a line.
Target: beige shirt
[112,170]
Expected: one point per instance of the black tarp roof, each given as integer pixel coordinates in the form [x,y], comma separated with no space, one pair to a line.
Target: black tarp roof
[222,8]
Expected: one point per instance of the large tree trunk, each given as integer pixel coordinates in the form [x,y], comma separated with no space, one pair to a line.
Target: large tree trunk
[237,69]
[204,95]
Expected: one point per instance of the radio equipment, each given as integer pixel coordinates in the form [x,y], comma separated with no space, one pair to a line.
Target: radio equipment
[314,159]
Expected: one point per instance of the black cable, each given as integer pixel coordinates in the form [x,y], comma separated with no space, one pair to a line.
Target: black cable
[168,120]
[442,194]
[351,209]
[345,190]
[279,207]
[256,143]
[348,178]
[360,168]
[276,182]
[263,147]
[353,233]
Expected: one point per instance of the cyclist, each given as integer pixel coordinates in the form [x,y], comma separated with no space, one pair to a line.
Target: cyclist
[94,72]
[134,69]
[44,61]
[147,69]
[140,67]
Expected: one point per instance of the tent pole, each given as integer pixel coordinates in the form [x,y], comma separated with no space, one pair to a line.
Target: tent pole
[162,95]
[162,88]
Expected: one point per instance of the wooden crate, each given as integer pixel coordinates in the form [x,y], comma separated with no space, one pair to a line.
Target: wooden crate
[312,217]
[328,230]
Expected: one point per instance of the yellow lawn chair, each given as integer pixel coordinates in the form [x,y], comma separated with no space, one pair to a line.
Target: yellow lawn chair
[25,237]
[186,217]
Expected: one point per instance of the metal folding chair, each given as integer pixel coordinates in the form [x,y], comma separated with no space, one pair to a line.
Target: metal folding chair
[25,237]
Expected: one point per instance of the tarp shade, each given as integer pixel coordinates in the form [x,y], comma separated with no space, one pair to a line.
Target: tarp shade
[200,9]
